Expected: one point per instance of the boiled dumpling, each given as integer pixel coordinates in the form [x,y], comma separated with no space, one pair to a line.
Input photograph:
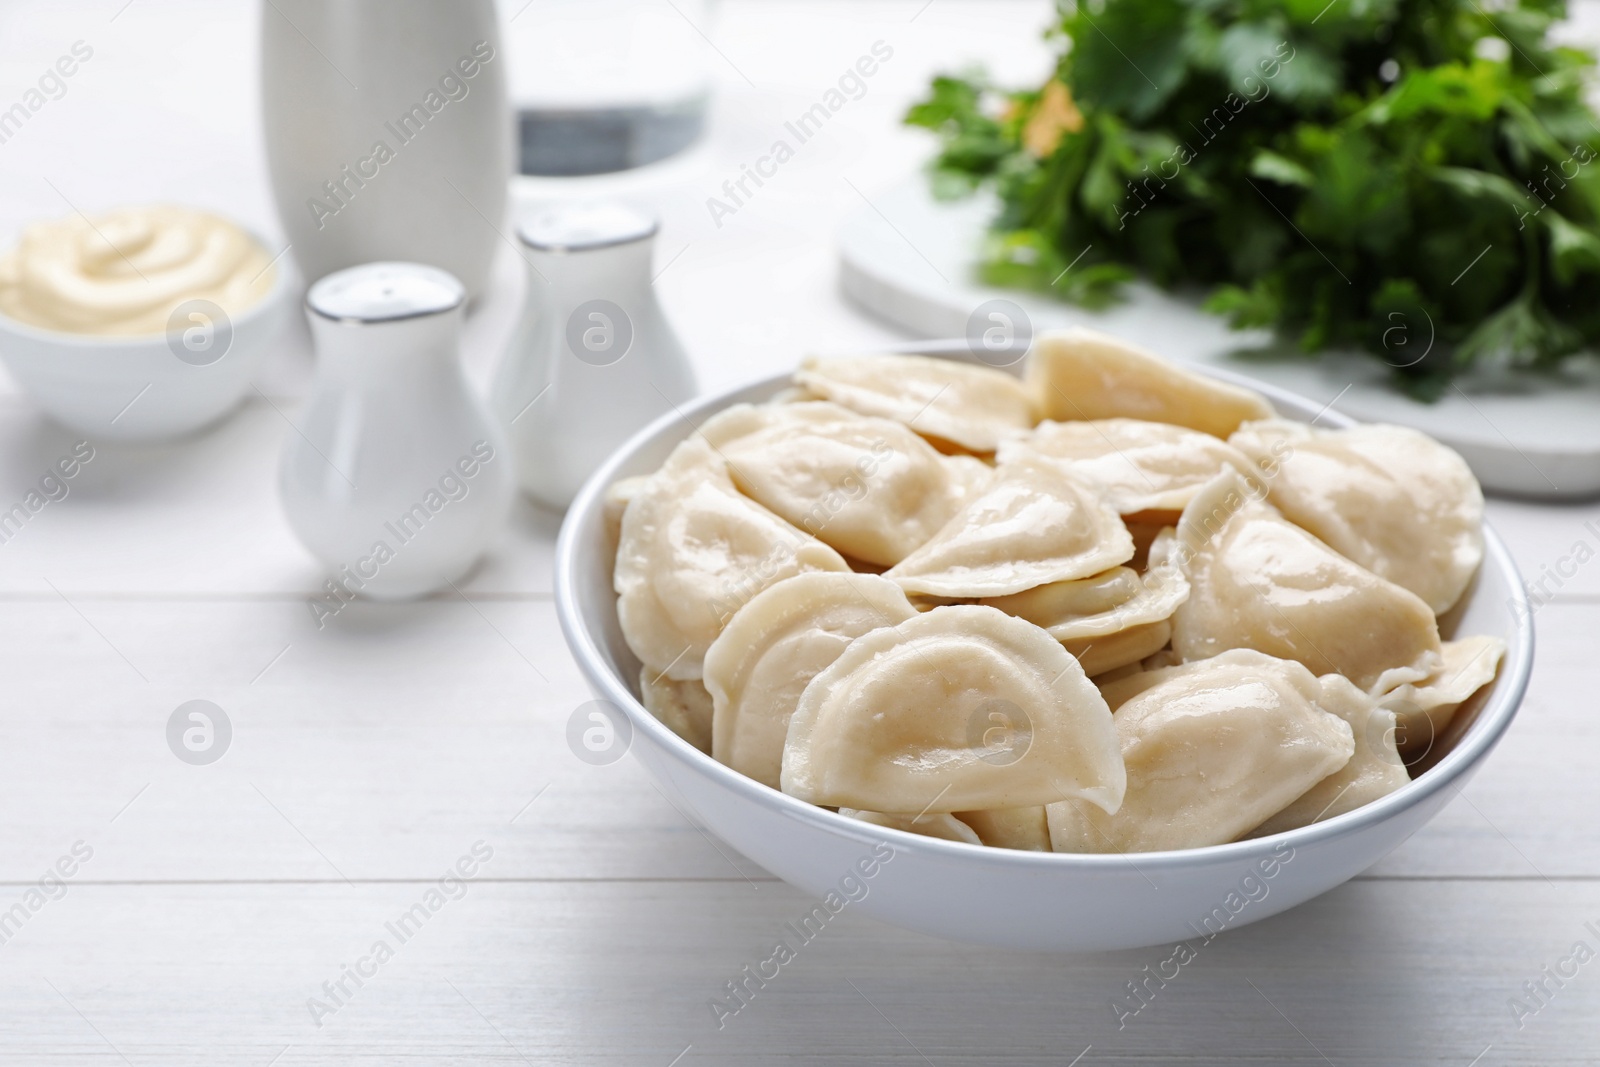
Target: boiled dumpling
[758,667]
[1424,708]
[968,406]
[969,474]
[1139,466]
[1081,374]
[867,486]
[933,824]
[1164,658]
[1394,500]
[1259,581]
[1144,534]
[1101,605]
[734,422]
[961,708]
[685,707]
[1019,828]
[618,495]
[1099,655]
[1108,621]
[1121,690]
[693,550]
[1375,770]
[1126,671]
[1033,525]
[1212,749]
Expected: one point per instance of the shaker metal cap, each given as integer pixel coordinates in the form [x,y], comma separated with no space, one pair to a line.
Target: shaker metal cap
[583,227]
[385,292]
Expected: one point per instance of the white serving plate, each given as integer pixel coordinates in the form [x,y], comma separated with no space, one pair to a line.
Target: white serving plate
[911,260]
[1023,900]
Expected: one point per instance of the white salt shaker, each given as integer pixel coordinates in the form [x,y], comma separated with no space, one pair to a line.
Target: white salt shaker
[593,358]
[397,477]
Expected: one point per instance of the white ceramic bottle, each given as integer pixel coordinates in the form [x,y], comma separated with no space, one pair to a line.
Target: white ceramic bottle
[388,132]
[593,358]
[396,478]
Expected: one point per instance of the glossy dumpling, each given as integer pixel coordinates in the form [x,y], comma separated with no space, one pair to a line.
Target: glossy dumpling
[1139,466]
[1394,500]
[1374,771]
[969,474]
[685,707]
[1144,534]
[1081,374]
[1033,525]
[1157,660]
[968,406]
[929,715]
[1107,621]
[867,486]
[1121,690]
[1099,655]
[1125,671]
[693,550]
[1259,581]
[932,824]
[1102,604]
[618,495]
[773,646]
[1024,829]
[1424,708]
[1212,750]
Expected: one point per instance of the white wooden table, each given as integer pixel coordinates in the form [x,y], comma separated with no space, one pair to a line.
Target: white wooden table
[369,757]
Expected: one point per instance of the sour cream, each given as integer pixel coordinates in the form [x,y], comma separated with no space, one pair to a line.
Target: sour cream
[121,274]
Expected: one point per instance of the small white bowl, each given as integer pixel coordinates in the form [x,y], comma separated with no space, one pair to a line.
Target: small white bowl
[1025,900]
[141,388]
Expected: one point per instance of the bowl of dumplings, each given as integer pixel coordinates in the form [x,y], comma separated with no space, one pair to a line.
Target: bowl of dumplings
[1090,652]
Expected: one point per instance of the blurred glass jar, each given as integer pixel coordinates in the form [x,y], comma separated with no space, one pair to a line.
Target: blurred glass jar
[387,131]
[607,85]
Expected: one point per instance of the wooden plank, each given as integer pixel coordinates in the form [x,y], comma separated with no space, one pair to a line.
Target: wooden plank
[359,751]
[1376,973]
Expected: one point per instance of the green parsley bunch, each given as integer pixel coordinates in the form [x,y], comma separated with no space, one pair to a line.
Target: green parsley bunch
[1367,173]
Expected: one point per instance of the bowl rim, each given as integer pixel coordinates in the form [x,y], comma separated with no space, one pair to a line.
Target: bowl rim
[270,301]
[1493,719]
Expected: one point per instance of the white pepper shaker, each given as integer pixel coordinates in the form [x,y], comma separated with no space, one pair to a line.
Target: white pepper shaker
[593,358]
[396,477]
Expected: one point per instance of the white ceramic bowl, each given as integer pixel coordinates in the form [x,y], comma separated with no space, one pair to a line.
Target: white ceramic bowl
[1025,900]
[138,388]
